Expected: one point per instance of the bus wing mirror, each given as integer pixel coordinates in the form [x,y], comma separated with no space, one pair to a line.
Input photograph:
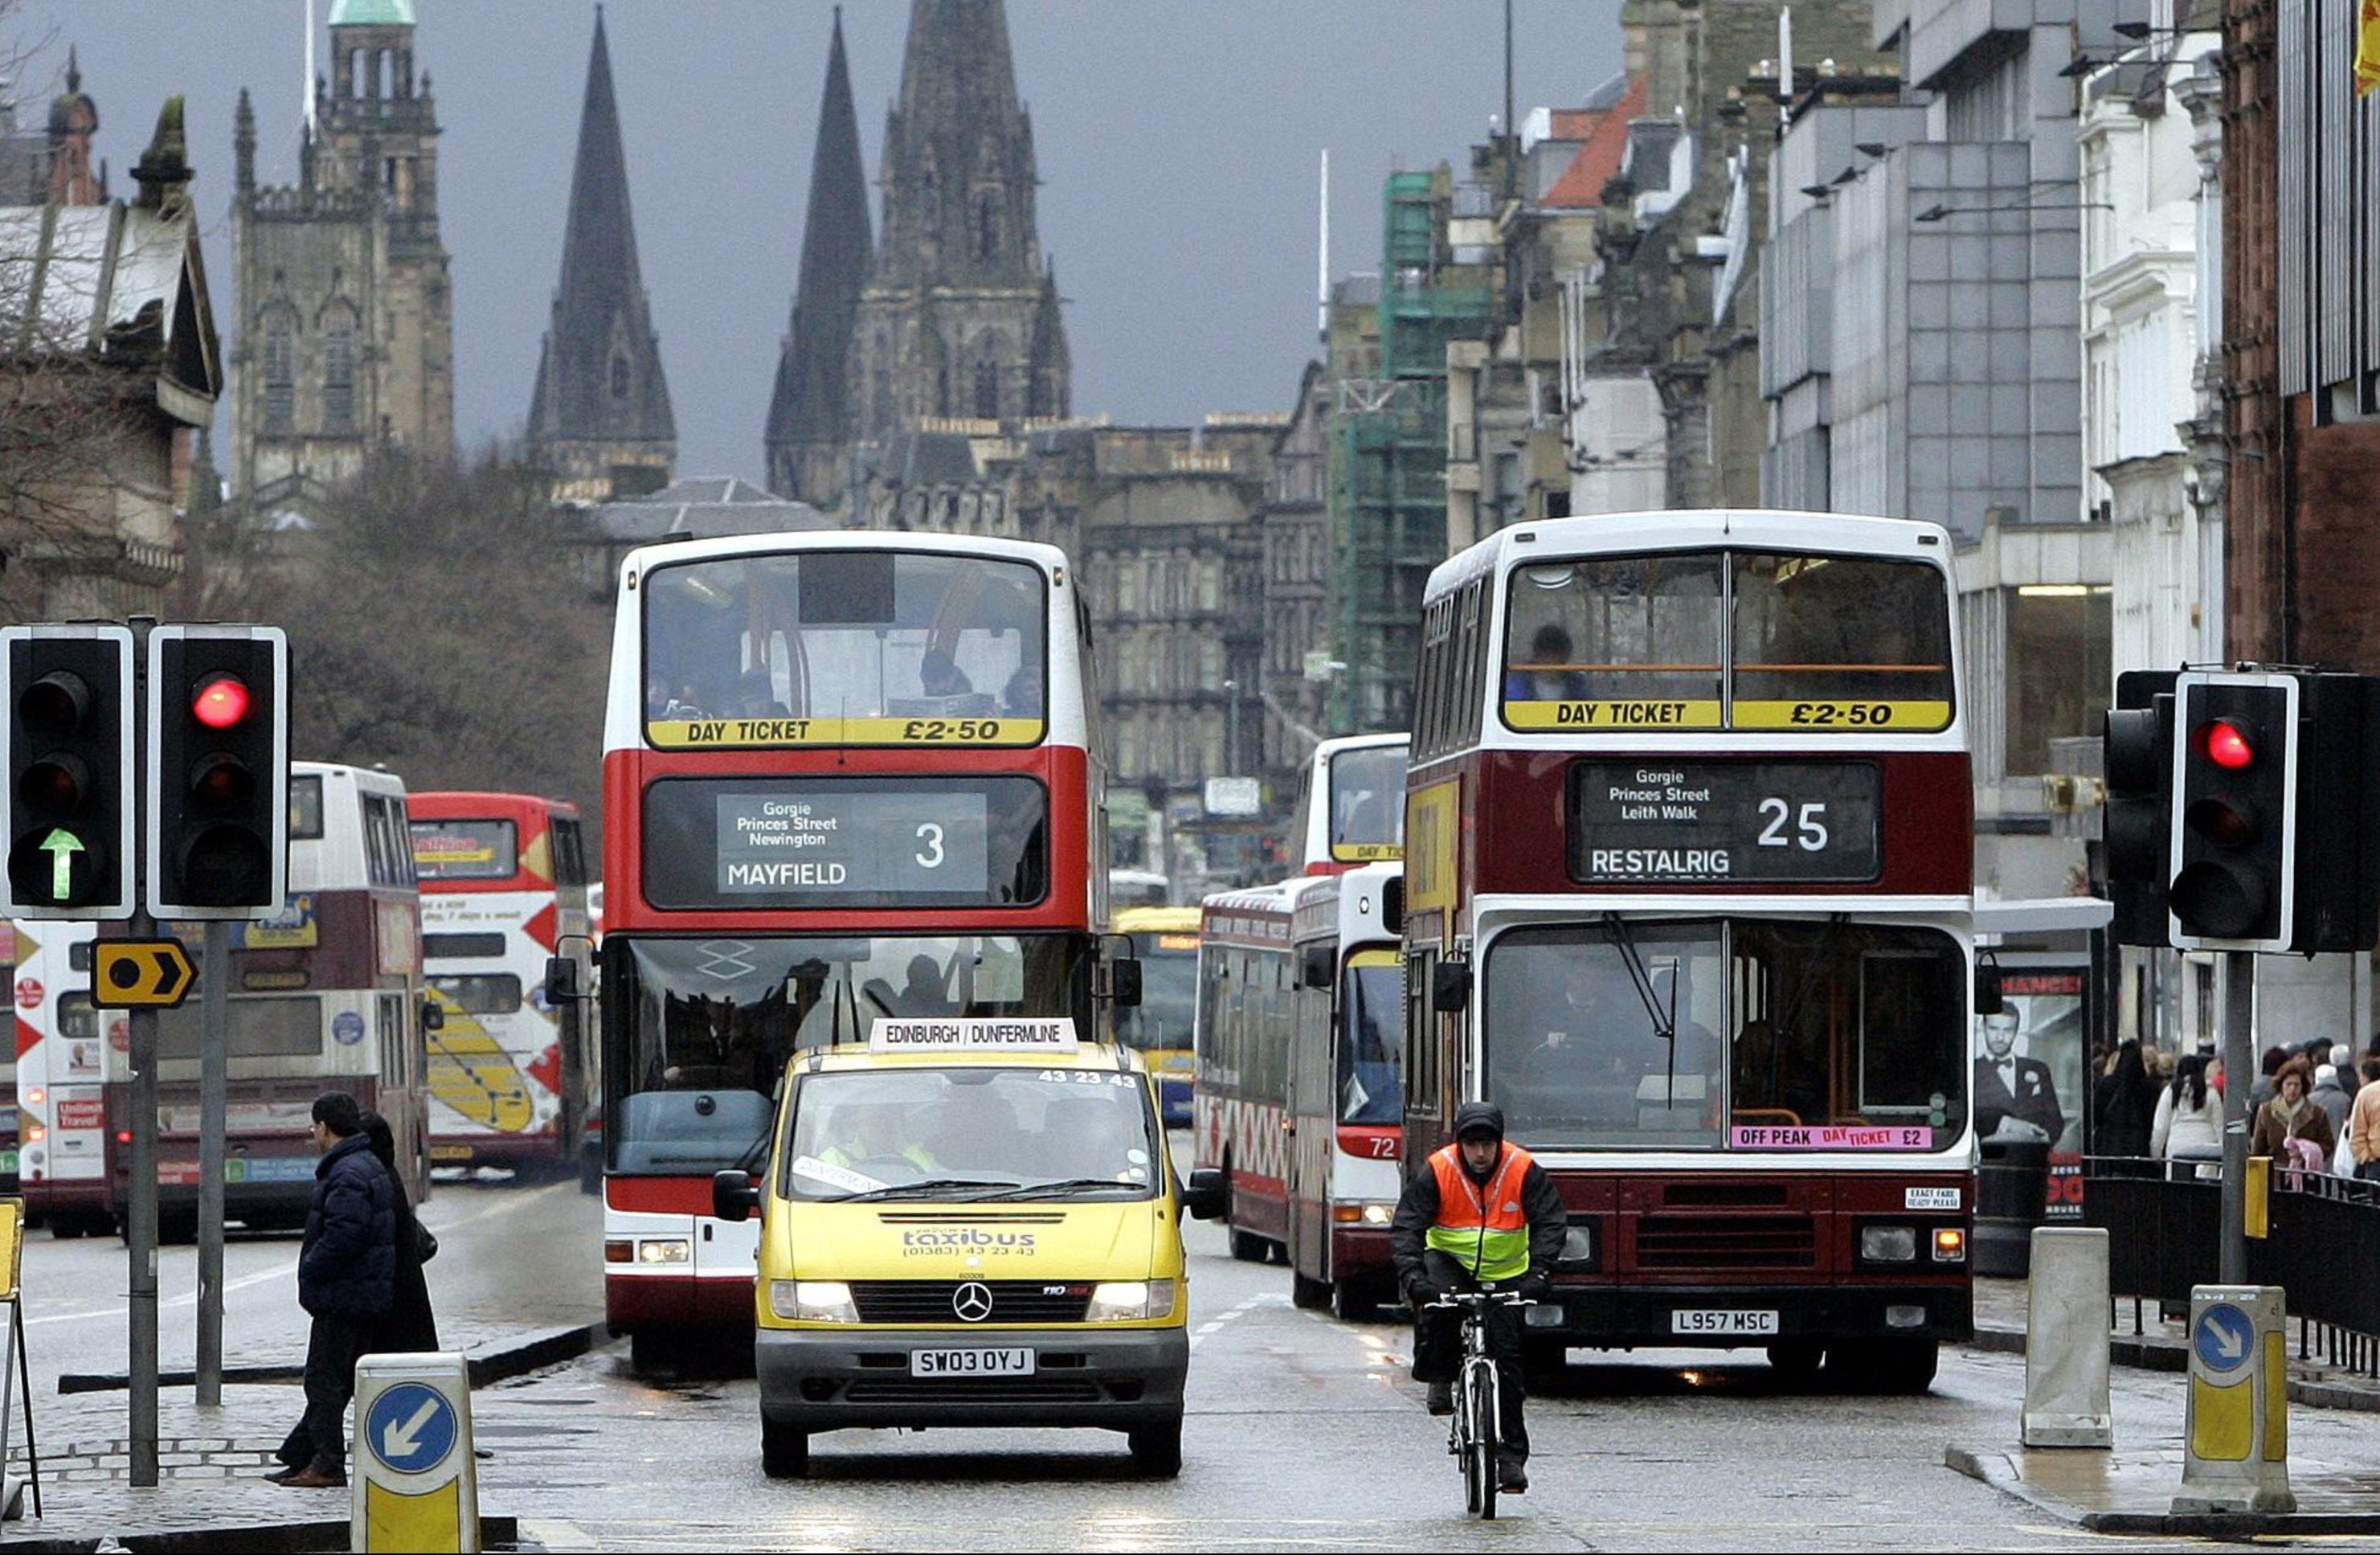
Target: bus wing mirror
[733,1197]
[562,980]
[1392,906]
[1450,987]
[1989,1000]
[1315,966]
[1207,1195]
[433,1017]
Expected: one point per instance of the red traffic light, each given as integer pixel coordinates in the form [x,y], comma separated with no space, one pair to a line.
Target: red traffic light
[220,701]
[2226,746]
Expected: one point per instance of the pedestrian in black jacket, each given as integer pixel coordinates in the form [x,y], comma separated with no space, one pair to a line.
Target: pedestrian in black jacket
[411,1328]
[346,1270]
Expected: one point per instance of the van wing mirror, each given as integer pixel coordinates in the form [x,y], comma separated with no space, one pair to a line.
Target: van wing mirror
[1316,965]
[1207,1195]
[733,1197]
[433,1017]
[561,982]
[1450,987]
[1124,984]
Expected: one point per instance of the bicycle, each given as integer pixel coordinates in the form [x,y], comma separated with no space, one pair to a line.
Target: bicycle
[1472,1436]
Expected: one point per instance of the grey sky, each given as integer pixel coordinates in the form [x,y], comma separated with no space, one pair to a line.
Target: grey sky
[1177,146]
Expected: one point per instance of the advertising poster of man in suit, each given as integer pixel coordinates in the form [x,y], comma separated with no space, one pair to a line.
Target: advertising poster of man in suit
[2029,1080]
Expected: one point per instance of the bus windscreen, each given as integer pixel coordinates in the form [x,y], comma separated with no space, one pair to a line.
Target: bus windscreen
[845,647]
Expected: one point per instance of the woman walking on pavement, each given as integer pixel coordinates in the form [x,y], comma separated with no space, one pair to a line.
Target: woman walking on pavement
[410,1327]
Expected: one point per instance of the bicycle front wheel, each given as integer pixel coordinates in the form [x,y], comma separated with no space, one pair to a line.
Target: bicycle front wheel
[1479,1461]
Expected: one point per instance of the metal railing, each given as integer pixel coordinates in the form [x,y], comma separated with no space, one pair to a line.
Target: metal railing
[2322,1243]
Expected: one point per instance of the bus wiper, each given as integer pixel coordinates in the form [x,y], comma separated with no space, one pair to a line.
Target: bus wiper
[1063,1185]
[930,1185]
[1665,1022]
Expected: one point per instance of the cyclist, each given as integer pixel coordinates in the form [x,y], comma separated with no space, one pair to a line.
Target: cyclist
[1478,1215]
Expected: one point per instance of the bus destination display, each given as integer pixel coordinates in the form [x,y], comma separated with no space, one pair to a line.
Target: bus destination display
[765,843]
[1679,822]
[831,839]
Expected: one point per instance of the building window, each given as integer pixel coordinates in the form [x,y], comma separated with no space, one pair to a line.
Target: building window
[2059,645]
[1210,585]
[280,377]
[619,377]
[339,377]
[987,392]
[987,224]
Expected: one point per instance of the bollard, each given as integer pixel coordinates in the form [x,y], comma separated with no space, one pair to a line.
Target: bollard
[2236,1437]
[417,1485]
[2066,1402]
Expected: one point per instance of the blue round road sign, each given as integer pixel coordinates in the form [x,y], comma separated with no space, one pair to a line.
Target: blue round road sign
[410,1428]
[2223,1337]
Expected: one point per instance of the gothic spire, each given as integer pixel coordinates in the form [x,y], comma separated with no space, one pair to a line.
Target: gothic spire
[958,169]
[600,382]
[810,404]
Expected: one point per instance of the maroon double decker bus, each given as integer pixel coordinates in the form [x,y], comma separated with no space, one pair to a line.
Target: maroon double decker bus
[1689,896]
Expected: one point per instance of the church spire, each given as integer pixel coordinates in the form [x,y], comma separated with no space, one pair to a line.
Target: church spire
[809,417]
[600,413]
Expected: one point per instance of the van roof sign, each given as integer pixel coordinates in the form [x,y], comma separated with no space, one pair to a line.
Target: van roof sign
[974,1034]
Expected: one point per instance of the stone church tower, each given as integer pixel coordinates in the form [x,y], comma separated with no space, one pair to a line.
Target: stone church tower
[345,338]
[960,318]
[809,416]
[601,415]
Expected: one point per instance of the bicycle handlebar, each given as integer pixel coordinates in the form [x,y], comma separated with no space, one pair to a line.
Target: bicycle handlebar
[1478,1300]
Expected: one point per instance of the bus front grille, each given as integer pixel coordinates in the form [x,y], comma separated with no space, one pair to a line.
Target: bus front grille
[1727,1241]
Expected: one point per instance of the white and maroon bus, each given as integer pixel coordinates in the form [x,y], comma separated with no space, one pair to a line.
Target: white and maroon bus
[61,1079]
[847,777]
[513,1077]
[1689,896]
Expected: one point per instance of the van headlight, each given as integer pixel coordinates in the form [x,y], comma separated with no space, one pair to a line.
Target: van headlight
[1889,1244]
[812,1301]
[1130,1301]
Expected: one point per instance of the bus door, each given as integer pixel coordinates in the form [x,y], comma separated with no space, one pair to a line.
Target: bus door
[1311,1112]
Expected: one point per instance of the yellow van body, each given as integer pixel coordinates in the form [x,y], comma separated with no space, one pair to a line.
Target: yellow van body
[943,1311]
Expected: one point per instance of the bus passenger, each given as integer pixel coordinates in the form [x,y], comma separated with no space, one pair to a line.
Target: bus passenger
[1548,676]
[939,675]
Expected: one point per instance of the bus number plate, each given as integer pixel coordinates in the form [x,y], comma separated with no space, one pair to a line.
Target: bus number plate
[1712,1319]
[970,1363]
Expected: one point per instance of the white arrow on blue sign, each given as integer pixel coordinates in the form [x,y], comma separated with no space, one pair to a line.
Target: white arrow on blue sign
[2223,1337]
[410,1428]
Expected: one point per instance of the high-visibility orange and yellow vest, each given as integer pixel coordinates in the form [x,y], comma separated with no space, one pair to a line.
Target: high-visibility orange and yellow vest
[1484,1229]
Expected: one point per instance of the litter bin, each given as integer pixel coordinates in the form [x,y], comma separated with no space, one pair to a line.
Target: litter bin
[2011,1196]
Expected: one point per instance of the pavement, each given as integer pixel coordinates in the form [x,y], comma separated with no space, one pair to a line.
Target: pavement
[2159,1345]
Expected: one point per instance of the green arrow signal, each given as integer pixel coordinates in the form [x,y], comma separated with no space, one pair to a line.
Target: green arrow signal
[61,846]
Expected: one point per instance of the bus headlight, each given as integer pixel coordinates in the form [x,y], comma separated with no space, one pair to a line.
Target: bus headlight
[1374,1214]
[1129,1301]
[812,1301]
[1889,1244]
[668,1249]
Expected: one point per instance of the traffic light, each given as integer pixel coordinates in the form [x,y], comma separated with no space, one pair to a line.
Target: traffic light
[2137,758]
[2233,857]
[2338,813]
[68,694]
[218,770]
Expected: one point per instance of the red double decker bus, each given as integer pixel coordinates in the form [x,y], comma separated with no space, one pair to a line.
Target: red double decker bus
[847,778]
[1689,896]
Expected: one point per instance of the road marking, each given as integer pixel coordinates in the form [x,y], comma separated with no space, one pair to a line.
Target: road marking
[288,1269]
[1215,1324]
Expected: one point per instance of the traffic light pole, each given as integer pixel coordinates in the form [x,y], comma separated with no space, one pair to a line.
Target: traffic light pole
[214,980]
[141,1232]
[2239,1074]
